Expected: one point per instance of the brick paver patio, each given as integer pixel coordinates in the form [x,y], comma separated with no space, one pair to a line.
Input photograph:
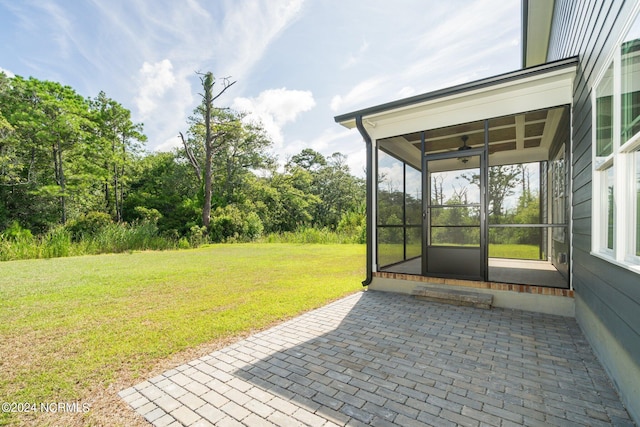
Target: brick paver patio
[389,360]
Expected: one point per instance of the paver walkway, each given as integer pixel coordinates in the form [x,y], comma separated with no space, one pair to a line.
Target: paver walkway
[389,360]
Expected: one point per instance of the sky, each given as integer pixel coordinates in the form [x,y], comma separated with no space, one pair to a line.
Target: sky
[297,63]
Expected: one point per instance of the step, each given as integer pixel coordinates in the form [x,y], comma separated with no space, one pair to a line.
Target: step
[453,296]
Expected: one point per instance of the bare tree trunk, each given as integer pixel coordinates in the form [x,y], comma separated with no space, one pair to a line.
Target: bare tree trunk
[207,99]
[207,84]
[124,160]
[59,173]
[115,183]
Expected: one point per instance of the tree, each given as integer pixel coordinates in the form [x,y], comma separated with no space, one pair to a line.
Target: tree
[281,201]
[51,126]
[503,181]
[331,181]
[165,183]
[308,159]
[61,155]
[117,140]
[215,123]
[243,149]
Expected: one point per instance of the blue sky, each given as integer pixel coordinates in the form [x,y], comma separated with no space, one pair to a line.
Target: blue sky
[297,63]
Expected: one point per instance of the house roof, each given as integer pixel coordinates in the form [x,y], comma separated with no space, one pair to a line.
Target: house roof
[537,16]
[483,85]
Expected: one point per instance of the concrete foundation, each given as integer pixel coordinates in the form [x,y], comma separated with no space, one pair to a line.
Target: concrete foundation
[540,303]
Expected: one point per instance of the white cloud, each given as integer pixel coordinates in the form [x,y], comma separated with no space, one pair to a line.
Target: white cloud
[155,79]
[274,108]
[178,102]
[362,92]
[7,72]
[227,38]
[249,28]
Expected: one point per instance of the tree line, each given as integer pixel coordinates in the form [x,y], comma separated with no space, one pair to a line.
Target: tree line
[79,163]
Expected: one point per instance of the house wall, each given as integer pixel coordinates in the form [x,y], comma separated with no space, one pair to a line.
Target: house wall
[607,296]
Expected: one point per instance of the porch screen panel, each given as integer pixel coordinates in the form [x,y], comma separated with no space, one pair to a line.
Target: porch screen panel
[399,210]
[390,209]
[454,202]
[413,209]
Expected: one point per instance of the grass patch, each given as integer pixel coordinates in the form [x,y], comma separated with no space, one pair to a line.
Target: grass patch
[392,253]
[514,251]
[75,328]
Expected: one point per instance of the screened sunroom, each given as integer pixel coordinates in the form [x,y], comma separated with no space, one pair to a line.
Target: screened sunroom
[472,182]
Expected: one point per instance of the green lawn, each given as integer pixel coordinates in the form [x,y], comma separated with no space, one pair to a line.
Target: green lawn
[75,328]
[515,251]
[391,253]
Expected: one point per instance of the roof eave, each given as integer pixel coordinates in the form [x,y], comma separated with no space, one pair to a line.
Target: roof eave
[348,119]
[537,18]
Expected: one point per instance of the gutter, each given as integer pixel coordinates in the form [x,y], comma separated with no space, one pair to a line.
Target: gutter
[524,14]
[369,189]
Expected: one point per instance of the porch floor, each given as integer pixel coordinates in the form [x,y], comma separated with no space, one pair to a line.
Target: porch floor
[502,270]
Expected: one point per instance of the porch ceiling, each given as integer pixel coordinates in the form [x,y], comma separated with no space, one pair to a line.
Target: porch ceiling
[517,138]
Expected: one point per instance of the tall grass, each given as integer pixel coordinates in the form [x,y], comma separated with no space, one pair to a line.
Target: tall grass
[312,235]
[58,242]
[117,238]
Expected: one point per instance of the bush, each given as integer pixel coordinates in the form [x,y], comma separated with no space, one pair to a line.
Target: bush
[230,224]
[110,238]
[197,236]
[183,243]
[353,224]
[16,233]
[255,227]
[88,225]
[147,215]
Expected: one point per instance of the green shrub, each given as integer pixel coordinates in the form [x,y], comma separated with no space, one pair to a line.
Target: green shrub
[147,215]
[254,226]
[231,224]
[15,232]
[353,224]
[115,238]
[197,236]
[183,243]
[88,224]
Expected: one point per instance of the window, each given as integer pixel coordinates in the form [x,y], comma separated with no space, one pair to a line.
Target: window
[630,81]
[616,155]
[607,203]
[604,172]
[604,111]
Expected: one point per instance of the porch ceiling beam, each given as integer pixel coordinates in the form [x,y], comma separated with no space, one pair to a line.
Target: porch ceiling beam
[551,127]
[520,122]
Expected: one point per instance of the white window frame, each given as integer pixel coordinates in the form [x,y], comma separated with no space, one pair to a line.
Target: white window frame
[623,160]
